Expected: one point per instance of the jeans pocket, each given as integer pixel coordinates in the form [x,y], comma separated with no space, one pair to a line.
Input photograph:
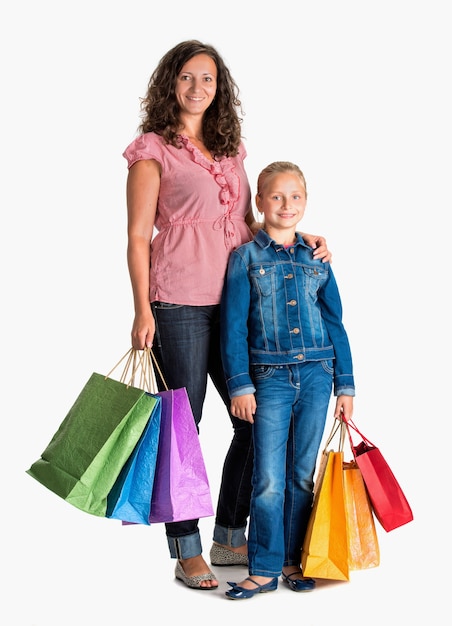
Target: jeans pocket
[262,372]
[165,305]
[327,365]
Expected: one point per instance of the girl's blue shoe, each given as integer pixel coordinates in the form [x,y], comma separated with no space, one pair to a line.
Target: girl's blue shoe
[298,584]
[240,593]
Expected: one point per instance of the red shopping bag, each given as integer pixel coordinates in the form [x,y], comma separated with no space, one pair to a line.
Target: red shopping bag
[388,500]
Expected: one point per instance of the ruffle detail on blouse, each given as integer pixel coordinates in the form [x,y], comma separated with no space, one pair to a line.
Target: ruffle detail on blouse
[227,179]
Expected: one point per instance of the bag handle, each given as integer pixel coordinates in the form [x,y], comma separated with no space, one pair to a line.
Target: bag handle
[338,424]
[140,362]
[350,425]
[157,367]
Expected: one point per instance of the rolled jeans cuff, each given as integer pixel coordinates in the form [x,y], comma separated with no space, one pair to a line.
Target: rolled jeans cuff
[231,537]
[185,547]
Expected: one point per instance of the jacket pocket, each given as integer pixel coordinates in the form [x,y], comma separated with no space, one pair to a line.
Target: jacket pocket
[314,277]
[263,278]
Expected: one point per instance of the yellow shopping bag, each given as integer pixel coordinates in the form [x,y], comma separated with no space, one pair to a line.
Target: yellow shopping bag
[325,549]
[325,552]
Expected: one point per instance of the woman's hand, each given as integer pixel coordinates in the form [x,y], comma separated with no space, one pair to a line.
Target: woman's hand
[143,330]
[318,244]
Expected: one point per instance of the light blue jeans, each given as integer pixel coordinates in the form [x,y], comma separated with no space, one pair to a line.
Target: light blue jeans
[292,404]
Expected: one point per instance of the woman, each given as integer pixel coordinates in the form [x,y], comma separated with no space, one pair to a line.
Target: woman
[187,179]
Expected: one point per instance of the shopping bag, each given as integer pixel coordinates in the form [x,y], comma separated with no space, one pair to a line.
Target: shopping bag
[325,547]
[388,500]
[130,497]
[181,488]
[86,454]
[363,547]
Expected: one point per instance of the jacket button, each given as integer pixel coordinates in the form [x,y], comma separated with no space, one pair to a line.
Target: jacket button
[292,302]
[289,276]
[296,331]
[300,357]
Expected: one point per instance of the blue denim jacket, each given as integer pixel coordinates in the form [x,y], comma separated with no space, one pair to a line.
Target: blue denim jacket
[279,307]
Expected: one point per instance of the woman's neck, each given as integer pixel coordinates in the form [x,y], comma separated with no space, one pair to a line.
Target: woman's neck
[192,128]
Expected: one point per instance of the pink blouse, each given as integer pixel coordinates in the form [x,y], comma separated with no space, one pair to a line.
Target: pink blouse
[200,219]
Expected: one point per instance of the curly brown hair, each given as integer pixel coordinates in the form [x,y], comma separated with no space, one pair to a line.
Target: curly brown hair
[160,109]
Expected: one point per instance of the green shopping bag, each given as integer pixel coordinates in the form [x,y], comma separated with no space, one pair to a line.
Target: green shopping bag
[85,456]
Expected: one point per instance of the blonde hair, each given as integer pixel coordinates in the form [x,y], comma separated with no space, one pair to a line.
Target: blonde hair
[279,167]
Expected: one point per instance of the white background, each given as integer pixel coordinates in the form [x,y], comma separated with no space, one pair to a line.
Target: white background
[358,94]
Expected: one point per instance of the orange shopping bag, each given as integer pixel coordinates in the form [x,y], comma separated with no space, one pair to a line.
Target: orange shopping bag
[363,544]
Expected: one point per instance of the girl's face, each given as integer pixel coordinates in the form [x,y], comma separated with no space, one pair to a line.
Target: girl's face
[196,85]
[282,200]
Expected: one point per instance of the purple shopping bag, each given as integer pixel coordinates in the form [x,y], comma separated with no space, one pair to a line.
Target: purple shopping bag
[181,488]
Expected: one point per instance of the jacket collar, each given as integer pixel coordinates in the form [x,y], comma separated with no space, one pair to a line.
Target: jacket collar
[264,241]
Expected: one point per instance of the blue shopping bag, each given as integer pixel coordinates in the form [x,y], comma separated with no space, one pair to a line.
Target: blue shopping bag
[130,497]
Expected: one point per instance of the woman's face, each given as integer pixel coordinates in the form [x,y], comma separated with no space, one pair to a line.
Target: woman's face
[196,85]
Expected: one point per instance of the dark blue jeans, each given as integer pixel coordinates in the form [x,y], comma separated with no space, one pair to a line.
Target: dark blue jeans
[187,348]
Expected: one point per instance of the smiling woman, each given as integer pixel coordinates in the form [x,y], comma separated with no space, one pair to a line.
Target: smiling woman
[195,91]
[187,180]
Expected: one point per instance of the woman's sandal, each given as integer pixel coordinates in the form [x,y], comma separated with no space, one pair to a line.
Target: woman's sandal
[194,582]
[298,584]
[222,556]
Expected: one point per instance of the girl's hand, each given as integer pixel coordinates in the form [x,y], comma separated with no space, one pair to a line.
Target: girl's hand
[244,407]
[344,408]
